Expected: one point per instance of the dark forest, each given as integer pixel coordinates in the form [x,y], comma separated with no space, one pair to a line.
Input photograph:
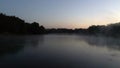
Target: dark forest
[15,25]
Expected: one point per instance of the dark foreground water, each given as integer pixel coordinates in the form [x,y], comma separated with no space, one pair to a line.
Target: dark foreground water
[59,51]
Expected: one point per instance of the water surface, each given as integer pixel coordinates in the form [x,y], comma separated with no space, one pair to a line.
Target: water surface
[59,51]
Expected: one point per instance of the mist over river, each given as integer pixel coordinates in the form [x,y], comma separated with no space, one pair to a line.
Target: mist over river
[59,51]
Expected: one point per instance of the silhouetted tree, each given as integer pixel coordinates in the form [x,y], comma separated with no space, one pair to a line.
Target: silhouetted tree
[96,30]
[42,29]
[34,28]
[15,25]
[113,29]
[93,29]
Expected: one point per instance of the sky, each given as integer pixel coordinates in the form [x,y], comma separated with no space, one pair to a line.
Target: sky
[64,13]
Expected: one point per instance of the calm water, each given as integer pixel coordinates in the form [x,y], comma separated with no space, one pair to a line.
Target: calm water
[59,51]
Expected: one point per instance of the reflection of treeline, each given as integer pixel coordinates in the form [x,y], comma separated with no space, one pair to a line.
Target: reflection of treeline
[15,25]
[109,42]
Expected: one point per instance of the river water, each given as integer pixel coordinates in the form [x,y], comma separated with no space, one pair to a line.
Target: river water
[59,51]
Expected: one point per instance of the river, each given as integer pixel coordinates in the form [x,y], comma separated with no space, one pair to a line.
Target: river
[59,51]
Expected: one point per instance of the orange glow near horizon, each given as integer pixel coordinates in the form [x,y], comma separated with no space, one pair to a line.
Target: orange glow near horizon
[64,13]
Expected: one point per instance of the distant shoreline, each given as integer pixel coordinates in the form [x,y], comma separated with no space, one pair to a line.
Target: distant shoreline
[11,25]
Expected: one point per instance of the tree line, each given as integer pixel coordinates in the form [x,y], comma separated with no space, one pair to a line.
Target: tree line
[111,30]
[15,25]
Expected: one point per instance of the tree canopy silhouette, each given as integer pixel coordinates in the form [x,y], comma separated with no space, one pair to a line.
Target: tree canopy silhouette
[15,25]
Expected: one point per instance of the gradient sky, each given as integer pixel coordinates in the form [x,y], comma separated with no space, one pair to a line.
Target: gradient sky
[64,13]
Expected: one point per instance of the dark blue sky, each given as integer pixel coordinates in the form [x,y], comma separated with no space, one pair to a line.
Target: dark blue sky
[64,13]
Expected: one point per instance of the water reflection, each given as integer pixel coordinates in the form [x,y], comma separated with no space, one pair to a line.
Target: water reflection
[109,42]
[34,40]
[9,44]
[13,44]
[58,51]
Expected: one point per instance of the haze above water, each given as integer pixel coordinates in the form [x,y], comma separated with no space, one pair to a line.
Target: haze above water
[59,51]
